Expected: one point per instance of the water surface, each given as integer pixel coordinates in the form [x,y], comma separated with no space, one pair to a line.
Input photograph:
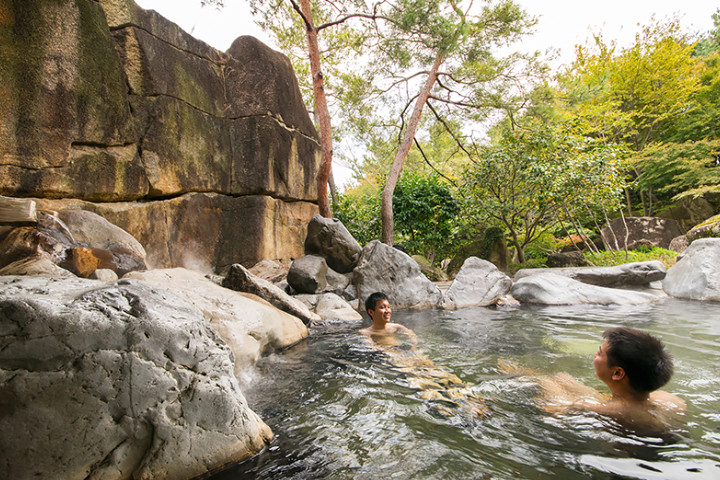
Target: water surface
[342,410]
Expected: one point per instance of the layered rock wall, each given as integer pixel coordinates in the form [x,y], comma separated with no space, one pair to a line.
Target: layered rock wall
[114,109]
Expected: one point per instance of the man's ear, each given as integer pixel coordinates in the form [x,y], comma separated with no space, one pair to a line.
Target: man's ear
[618,373]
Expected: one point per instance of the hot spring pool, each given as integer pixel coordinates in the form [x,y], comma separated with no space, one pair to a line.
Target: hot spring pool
[342,410]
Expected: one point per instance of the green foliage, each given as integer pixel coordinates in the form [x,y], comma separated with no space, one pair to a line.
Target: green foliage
[360,214]
[610,259]
[424,209]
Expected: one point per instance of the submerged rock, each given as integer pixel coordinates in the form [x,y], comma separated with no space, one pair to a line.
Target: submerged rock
[696,275]
[383,268]
[115,381]
[553,289]
[478,283]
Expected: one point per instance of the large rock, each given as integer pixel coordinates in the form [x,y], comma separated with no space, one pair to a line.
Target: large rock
[552,289]
[241,280]
[119,381]
[383,268]
[330,307]
[632,274]
[329,238]
[710,228]
[696,275]
[250,325]
[641,230]
[308,274]
[478,283]
[117,104]
[94,230]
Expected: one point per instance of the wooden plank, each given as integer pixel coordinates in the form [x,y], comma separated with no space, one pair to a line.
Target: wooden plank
[17,210]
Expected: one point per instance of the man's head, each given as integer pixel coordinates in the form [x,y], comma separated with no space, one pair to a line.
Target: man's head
[372,300]
[642,357]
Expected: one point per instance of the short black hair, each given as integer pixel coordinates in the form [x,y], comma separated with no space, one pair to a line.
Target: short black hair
[371,301]
[644,358]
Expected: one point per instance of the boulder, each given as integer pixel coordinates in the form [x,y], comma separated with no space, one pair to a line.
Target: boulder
[658,231]
[696,275]
[247,323]
[38,265]
[573,258]
[115,381]
[95,231]
[329,238]
[383,268]
[337,282]
[269,270]
[478,283]
[308,274]
[552,289]
[708,229]
[678,244]
[207,158]
[626,275]
[330,307]
[241,280]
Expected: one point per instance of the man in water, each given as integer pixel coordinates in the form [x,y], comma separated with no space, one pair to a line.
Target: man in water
[383,331]
[433,382]
[634,365]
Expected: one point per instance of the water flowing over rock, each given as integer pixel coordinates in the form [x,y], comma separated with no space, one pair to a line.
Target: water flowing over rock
[240,279]
[115,381]
[114,109]
[696,275]
[478,283]
[329,238]
[250,325]
[640,230]
[552,289]
[383,268]
[626,275]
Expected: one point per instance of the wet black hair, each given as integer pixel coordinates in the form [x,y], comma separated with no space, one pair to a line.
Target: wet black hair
[644,358]
[371,301]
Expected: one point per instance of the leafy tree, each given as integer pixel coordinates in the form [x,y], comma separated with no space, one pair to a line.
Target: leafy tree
[536,177]
[424,208]
[360,213]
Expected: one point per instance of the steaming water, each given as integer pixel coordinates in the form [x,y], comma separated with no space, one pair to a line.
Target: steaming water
[342,410]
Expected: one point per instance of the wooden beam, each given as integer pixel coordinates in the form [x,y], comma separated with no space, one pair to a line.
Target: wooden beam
[17,210]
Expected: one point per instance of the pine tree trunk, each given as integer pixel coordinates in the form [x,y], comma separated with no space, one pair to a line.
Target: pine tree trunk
[386,208]
[323,114]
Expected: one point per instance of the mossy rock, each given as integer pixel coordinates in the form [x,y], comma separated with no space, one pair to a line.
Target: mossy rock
[434,274]
[710,228]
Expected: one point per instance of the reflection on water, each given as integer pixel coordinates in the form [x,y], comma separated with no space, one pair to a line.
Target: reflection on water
[341,409]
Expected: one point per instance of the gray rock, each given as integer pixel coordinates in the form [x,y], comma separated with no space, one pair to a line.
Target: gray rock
[552,289]
[115,381]
[273,272]
[104,274]
[567,259]
[337,282]
[626,275]
[96,231]
[308,274]
[383,268]
[330,307]
[696,275]
[39,265]
[708,228]
[657,231]
[478,283]
[250,325]
[241,280]
[329,238]
[678,244]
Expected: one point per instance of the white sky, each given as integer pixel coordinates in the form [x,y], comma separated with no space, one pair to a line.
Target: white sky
[562,24]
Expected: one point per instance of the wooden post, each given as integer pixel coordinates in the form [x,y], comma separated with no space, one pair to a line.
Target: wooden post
[17,210]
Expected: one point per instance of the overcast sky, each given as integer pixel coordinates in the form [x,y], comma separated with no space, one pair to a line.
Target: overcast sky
[562,24]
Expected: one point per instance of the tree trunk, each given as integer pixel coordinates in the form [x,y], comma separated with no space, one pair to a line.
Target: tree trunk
[323,114]
[386,208]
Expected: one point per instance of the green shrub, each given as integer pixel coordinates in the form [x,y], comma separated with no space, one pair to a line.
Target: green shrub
[642,254]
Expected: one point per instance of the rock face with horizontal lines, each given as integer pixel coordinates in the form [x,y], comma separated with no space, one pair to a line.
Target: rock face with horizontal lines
[116,110]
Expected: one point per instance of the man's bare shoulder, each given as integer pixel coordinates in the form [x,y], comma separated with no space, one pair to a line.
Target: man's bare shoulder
[668,401]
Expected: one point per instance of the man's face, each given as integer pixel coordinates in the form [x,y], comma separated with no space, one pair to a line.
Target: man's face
[382,312]
[602,369]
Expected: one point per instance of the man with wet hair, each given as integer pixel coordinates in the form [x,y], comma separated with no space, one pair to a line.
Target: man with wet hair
[383,331]
[634,365]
